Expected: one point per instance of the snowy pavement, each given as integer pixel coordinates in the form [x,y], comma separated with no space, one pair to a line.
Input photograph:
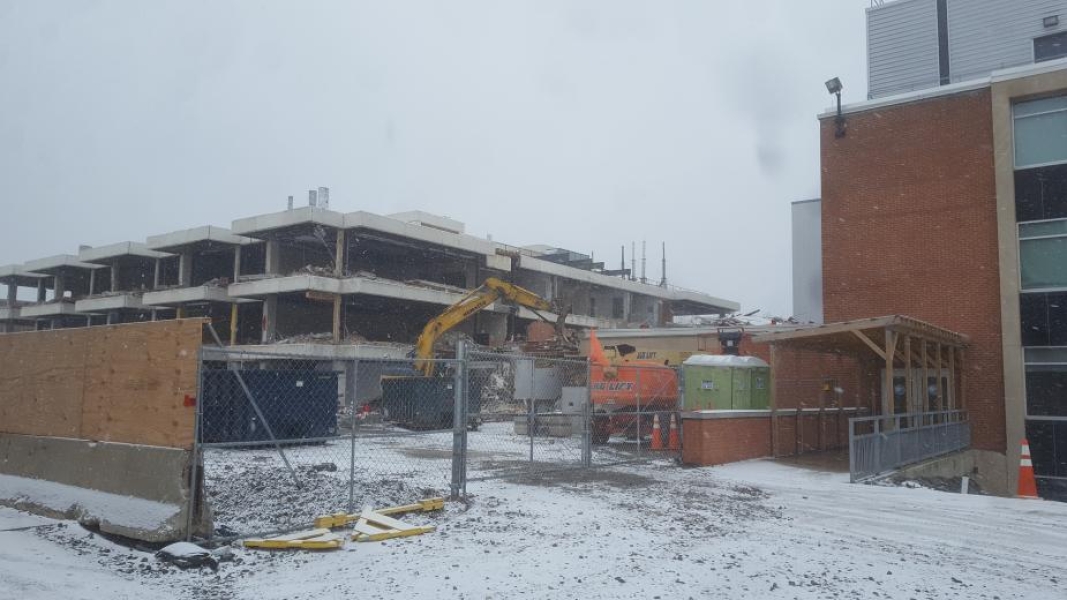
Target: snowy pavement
[757,529]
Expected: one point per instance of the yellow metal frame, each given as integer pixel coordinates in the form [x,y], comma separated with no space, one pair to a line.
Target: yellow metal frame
[343,519]
[315,539]
[492,290]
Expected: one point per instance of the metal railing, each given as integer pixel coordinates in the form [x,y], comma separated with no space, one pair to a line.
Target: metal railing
[881,444]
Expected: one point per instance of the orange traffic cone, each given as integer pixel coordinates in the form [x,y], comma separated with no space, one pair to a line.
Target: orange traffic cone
[1027,483]
[657,438]
[672,439]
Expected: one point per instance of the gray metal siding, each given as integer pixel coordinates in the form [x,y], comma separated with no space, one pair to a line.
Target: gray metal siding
[986,35]
[902,47]
[807,261]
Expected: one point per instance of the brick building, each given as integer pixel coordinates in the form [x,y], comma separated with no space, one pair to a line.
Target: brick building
[948,203]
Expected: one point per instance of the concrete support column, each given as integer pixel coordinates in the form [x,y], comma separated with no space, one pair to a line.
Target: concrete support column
[233,320]
[496,325]
[92,282]
[339,255]
[155,276]
[185,268]
[114,276]
[470,275]
[273,257]
[270,319]
[627,307]
[41,292]
[338,300]
[12,294]
[236,264]
[60,287]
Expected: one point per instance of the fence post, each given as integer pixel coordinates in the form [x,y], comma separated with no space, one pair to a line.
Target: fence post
[351,373]
[531,413]
[459,422]
[639,416]
[851,451]
[878,444]
[587,416]
[190,517]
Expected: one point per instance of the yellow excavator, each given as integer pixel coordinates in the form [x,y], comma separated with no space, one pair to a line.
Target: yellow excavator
[492,290]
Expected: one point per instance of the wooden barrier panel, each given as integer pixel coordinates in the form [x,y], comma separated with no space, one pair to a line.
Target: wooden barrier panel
[121,383]
[41,380]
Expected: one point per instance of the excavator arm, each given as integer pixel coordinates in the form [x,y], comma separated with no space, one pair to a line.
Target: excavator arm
[492,290]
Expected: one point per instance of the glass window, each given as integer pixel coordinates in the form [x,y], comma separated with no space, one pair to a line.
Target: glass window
[1046,390]
[1040,131]
[1050,47]
[1041,193]
[1044,105]
[1042,229]
[1045,355]
[1044,319]
[1043,263]
[1048,447]
[1041,139]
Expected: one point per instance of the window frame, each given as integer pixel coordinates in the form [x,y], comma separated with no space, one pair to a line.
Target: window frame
[1015,137]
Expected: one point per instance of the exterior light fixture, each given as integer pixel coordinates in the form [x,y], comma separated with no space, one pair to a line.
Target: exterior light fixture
[834,87]
[1051,21]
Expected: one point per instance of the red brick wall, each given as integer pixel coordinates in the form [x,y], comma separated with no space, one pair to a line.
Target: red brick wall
[909,227]
[719,441]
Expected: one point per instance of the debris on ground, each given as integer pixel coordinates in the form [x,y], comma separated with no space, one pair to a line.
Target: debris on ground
[186,555]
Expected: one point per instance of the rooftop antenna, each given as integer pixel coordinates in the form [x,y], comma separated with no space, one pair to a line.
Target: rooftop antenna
[663,280]
[644,257]
[633,261]
[622,266]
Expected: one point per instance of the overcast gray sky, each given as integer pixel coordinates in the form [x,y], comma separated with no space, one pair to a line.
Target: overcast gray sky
[579,124]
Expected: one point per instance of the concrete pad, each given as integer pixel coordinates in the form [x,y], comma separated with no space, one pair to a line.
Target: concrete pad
[49,309]
[306,215]
[102,253]
[176,240]
[459,241]
[106,303]
[712,303]
[179,296]
[58,262]
[19,276]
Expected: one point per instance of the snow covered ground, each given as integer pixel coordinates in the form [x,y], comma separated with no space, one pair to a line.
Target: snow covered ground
[757,529]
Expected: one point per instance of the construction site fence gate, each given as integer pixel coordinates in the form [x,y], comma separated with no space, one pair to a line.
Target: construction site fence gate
[284,436]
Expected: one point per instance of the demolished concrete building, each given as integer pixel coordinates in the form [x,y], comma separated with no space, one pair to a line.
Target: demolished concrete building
[313,274]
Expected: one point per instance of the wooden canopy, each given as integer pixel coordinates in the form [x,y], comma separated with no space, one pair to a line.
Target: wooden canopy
[899,341]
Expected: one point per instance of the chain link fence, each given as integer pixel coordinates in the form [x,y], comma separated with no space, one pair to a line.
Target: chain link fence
[284,438]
